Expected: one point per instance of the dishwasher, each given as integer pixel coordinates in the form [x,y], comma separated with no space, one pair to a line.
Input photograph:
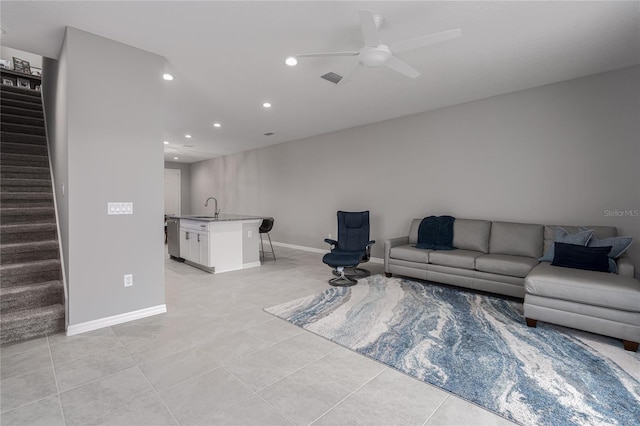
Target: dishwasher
[173,237]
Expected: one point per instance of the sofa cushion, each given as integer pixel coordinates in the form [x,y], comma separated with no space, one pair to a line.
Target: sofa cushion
[516,239]
[598,231]
[470,234]
[413,231]
[410,253]
[465,259]
[504,264]
[587,287]
[580,238]
[581,257]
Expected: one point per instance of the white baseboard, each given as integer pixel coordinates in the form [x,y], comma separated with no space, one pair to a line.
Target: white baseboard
[115,319]
[251,265]
[321,251]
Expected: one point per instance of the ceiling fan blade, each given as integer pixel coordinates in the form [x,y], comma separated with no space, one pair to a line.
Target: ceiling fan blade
[401,67]
[353,71]
[318,55]
[368,27]
[426,40]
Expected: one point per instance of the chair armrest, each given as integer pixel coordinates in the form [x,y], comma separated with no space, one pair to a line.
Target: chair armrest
[333,243]
[389,244]
[625,267]
[367,251]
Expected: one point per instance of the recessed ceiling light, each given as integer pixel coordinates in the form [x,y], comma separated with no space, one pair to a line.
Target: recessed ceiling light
[166,143]
[167,77]
[291,61]
[266,105]
[175,158]
[187,136]
[217,125]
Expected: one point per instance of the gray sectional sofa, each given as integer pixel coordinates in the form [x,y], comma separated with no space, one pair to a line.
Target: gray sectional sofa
[502,258]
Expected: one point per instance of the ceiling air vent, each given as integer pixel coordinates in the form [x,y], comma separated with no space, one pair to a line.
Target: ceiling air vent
[332,77]
[269,134]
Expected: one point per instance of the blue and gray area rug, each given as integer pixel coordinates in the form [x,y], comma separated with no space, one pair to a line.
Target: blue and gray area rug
[477,347]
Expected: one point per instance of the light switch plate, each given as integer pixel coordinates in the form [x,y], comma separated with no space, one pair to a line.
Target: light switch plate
[119,208]
[128,280]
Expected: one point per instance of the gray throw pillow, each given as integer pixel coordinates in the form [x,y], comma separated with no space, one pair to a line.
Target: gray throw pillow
[580,238]
[618,246]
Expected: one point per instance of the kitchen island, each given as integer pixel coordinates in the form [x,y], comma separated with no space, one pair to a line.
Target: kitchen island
[222,243]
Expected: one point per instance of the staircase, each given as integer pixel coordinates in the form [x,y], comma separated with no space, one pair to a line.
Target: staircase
[31,289]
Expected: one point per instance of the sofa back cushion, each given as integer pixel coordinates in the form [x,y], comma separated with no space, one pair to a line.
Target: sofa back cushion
[516,239]
[598,231]
[471,234]
[413,231]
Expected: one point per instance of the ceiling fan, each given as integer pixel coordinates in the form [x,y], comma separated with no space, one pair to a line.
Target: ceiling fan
[375,54]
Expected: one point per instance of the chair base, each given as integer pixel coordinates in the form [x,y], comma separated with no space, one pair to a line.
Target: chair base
[353,272]
[342,280]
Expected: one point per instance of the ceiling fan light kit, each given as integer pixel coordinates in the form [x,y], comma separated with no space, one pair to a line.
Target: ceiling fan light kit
[376,54]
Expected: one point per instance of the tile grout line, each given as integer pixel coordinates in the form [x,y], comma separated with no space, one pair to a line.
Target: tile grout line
[155,391]
[436,410]
[346,397]
[55,378]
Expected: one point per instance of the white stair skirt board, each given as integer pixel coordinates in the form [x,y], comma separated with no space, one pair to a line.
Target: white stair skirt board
[251,265]
[321,251]
[115,319]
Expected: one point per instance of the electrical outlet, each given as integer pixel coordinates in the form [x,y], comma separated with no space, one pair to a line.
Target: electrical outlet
[329,236]
[128,280]
[249,234]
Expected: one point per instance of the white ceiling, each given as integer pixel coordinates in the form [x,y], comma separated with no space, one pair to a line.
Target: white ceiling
[228,58]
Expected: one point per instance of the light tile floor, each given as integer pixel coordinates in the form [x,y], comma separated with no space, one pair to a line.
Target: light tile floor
[215,358]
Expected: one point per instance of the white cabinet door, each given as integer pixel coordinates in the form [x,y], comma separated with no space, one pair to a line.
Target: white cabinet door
[184,243]
[203,249]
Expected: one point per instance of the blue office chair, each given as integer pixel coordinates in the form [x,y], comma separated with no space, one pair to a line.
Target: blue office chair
[352,248]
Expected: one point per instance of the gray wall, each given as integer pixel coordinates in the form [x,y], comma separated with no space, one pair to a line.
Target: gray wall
[557,154]
[185,184]
[108,125]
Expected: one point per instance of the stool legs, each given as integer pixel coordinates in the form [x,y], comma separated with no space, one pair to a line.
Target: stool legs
[262,247]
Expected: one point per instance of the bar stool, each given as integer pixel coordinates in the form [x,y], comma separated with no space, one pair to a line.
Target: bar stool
[265,227]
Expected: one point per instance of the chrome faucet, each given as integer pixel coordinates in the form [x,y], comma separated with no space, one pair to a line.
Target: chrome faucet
[216,212]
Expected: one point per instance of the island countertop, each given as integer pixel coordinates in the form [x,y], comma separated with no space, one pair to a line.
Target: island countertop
[225,217]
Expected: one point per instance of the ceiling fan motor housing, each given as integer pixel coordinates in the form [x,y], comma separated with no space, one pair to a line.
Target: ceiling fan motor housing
[374,56]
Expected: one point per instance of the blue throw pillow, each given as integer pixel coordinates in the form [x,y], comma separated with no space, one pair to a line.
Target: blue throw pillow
[580,238]
[581,257]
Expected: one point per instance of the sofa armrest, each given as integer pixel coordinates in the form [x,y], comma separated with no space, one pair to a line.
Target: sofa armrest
[389,244]
[625,267]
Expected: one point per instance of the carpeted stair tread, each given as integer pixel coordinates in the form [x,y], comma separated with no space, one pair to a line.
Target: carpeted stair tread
[6,182]
[25,112]
[29,211]
[25,138]
[16,172]
[28,247]
[25,160]
[27,227]
[23,215]
[23,148]
[29,323]
[28,267]
[31,296]
[21,119]
[22,128]
[6,196]
[30,97]
[4,101]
